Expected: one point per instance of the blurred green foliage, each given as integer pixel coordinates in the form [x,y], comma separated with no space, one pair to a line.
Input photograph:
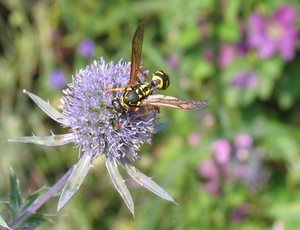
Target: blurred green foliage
[39,36]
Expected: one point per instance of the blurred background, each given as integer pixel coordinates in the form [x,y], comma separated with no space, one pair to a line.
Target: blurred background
[233,165]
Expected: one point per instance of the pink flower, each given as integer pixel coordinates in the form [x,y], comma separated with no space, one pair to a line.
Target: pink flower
[243,140]
[276,34]
[221,149]
[194,139]
[227,54]
[208,170]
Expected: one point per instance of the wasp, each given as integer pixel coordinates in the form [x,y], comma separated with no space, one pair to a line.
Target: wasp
[139,93]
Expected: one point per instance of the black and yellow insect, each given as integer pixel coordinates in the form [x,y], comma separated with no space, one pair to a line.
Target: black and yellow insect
[139,93]
[137,89]
[134,95]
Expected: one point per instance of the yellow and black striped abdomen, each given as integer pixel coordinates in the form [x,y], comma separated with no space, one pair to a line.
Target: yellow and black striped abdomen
[160,80]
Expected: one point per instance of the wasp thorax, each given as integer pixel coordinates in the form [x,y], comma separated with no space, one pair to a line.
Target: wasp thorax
[160,80]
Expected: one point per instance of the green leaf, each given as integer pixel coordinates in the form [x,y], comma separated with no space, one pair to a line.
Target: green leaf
[34,221]
[119,184]
[229,31]
[48,109]
[14,194]
[288,86]
[188,36]
[19,210]
[270,68]
[53,140]
[143,180]
[201,69]
[75,180]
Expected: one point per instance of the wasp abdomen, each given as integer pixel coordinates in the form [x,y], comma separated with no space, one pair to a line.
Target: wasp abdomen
[160,80]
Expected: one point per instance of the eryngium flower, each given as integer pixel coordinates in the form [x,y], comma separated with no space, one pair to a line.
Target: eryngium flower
[97,130]
[57,79]
[86,48]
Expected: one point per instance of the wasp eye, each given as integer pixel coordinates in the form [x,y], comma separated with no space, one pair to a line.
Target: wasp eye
[160,80]
[116,104]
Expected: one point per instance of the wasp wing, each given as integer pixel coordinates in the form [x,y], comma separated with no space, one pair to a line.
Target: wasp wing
[136,54]
[173,102]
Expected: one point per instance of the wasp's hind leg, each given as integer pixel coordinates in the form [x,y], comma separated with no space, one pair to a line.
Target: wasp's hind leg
[147,109]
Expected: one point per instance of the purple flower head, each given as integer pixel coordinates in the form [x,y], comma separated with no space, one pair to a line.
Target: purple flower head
[208,170]
[276,34]
[226,55]
[240,213]
[96,129]
[194,139]
[173,61]
[94,125]
[243,140]
[256,175]
[243,45]
[57,79]
[86,48]
[221,149]
[212,187]
[244,79]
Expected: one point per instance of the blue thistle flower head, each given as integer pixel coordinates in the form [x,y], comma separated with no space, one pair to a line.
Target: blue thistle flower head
[92,120]
[57,79]
[86,48]
[98,130]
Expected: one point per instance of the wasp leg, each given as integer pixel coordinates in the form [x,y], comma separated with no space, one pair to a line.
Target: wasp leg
[118,123]
[141,114]
[146,111]
[115,90]
[157,109]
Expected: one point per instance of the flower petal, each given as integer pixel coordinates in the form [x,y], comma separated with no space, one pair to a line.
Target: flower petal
[48,109]
[287,44]
[119,184]
[285,15]
[257,22]
[53,140]
[75,180]
[267,49]
[143,180]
